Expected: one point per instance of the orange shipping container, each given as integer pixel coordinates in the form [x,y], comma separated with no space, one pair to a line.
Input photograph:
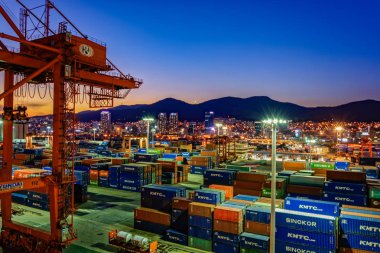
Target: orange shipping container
[228,227]
[152,215]
[201,209]
[229,190]
[228,214]
[103,173]
[257,228]
[94,175]
[292,165]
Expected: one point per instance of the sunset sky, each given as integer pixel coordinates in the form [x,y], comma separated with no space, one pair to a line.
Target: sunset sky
[316,52]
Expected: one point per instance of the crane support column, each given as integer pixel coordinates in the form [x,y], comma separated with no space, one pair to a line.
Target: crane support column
[6,170]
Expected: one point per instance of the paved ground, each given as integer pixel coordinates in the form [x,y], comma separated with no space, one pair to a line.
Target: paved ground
[106,209]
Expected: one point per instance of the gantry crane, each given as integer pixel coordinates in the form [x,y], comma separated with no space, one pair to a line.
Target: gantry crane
[72,65]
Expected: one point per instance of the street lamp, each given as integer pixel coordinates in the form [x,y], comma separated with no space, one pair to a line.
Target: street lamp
[273,123]
[48,129]
[94,129]
[153,134]
[148,120]
[338,130]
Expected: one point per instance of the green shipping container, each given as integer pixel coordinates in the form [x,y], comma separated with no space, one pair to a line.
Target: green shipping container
[374,193]
[309,172]
[300,179]
[238,168]
[322,165]
[280,193]
[199,243]
[154,151]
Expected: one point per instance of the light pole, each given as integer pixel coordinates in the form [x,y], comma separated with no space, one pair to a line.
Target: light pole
[153,134]
[273,123]
[48,129]
[94,129]
[148,120]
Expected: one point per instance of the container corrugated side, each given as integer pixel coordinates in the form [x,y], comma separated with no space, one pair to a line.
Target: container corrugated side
[150,227]
[226,238]
[285,247]
[332,186]
[369,243]
[346,199]
[258,213]
[312,239]
[306,221]
[199,232]
[219,247]
[352,224]
[199,243]
[312,206]
[176,237]
[253,241]
[200,221]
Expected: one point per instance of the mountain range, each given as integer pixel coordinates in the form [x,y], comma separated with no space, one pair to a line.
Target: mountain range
[252,108]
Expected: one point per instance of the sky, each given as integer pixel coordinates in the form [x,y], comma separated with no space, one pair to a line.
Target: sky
[313,53]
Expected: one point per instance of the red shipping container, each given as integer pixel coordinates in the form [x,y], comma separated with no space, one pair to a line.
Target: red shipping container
[229,190]
[228,214]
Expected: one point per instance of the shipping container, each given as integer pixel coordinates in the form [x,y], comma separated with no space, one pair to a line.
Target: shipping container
[200,221]
[255,242]
[345,176]
[201,209]
[368,243]
[229,190]
[226,238]
[176,237]
[200,232]
[228,214]
[312,206]
[150,227]
[284,247]
[220,247]
[228,226]
[360,225]
[346,199]
[199,243]
[306,238]
[258,213]
[153,216]
[355,188]
[257,228]
[306,222]
[180,220]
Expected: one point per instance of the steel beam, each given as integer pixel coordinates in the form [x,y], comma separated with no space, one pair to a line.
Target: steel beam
[27,42]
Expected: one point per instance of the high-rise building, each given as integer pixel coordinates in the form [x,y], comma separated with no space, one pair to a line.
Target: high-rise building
[209,121]
[105,122]
[162,123]
[173,123]
[192,127]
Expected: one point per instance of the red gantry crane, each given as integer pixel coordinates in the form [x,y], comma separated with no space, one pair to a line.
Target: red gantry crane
[72,66]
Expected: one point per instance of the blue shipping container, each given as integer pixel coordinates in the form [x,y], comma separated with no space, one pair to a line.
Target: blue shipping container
[175,237]
[207,197]
[226,238]
[219,247]
[312,206]
[289,247]
[332,186]
[200,221]
[346,199]
[368,243]
[312,239]
[306,222]
[258,213]
[150,227]
[342,166]
[254,241]
[351,224]
[199,232]
[37,196]
[247,197]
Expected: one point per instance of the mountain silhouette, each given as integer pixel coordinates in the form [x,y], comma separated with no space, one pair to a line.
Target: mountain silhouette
[252,108]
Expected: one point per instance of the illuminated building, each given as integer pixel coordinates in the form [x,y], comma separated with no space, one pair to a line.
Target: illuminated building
[105,122]
[173,123]
[162,123]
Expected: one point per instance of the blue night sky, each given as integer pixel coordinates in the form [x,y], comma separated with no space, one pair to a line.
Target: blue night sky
[307,52]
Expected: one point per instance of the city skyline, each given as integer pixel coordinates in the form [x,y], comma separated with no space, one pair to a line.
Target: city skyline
[312,54]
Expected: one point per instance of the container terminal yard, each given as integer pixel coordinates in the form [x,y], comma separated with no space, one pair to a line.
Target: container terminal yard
[160,185]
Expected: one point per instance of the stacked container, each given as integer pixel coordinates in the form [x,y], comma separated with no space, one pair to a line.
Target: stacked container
[374,192]
[228,225]
[253,243]
[210,196]
[280,188]
[346,188]
[257,220]
[200,225]
[250,183]
[360,229]
[151,220]
[219,177]
[303,185]
[302,232]
[200,164]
